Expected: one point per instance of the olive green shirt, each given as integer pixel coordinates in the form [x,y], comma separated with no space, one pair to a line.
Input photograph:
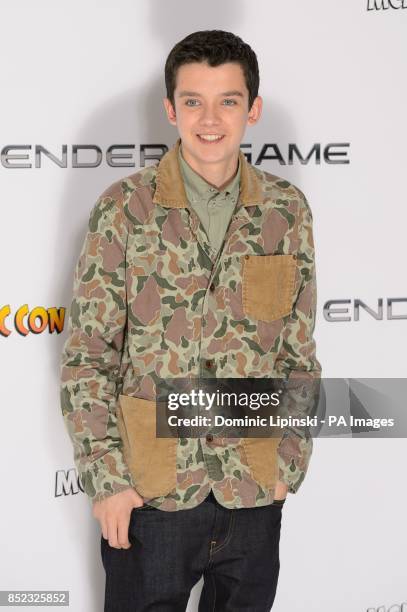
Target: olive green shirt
[213,207]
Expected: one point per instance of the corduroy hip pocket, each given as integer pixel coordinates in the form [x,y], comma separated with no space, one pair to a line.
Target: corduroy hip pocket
[262,459]
[268,283]
[152,461]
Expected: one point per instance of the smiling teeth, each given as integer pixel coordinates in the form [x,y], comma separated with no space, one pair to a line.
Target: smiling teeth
[210,136]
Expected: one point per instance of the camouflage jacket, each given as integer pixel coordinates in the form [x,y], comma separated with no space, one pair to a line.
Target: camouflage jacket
[152,301]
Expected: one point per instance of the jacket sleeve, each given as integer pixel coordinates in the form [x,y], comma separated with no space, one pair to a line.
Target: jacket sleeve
[297,362]
[91,359]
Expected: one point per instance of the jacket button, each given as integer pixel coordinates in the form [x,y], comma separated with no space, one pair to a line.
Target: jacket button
[209,437]
[209,363]
[211,287]
[246,256]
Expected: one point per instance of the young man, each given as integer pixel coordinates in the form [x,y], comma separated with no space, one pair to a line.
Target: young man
[201,265]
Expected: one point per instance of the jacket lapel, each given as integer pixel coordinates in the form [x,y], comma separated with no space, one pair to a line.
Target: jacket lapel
[170,191]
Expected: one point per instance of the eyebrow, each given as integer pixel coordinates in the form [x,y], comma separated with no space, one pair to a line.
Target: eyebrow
[233,92]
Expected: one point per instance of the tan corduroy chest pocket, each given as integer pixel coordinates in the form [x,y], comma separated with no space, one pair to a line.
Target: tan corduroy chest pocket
[152,461]
[268,283]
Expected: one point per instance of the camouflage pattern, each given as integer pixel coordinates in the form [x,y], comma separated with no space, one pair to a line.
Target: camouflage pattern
[151,301]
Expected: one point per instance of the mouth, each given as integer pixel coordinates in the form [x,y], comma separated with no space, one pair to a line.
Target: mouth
[210,139]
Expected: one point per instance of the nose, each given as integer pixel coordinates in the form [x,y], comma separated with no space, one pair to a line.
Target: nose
[209,116]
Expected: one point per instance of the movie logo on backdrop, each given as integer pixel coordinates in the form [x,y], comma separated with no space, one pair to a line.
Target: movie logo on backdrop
[383,5]
[331,310]
[67,482]
[34,321]
[123,155]
[393,608]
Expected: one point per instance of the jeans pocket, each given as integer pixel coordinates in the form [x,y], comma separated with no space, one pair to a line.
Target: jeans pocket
[278,503]
[144,507]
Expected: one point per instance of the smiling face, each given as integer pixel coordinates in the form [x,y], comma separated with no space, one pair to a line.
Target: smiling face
[211,113]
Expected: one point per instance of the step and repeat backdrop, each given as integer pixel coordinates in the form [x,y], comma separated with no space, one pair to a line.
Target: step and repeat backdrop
[81,106]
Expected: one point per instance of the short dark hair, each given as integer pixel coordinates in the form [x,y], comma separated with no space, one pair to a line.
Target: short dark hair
[215,47]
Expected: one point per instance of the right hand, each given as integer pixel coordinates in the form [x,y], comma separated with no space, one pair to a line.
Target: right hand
[281,490]
[113,513]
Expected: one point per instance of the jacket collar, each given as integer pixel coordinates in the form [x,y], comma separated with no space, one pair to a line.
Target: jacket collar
[198,188]
[170,189]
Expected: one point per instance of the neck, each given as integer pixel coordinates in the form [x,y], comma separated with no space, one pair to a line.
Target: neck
[217,175]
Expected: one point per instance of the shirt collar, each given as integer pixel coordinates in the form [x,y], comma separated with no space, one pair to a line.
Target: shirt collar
[198,188]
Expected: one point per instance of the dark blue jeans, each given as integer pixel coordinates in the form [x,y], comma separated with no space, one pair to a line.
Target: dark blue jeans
[236,551]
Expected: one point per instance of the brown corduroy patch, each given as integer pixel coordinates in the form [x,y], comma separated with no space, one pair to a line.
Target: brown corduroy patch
[268,283]
[261,455]
[152,461]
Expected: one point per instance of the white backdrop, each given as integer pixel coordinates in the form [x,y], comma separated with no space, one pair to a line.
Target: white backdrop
[92,73]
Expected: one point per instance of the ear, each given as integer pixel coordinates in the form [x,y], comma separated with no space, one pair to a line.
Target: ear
[255,111]
[170,110]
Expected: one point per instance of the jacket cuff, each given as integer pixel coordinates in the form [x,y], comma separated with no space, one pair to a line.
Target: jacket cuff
[105,476]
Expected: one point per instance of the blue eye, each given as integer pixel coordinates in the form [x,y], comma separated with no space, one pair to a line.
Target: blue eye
[195,102]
